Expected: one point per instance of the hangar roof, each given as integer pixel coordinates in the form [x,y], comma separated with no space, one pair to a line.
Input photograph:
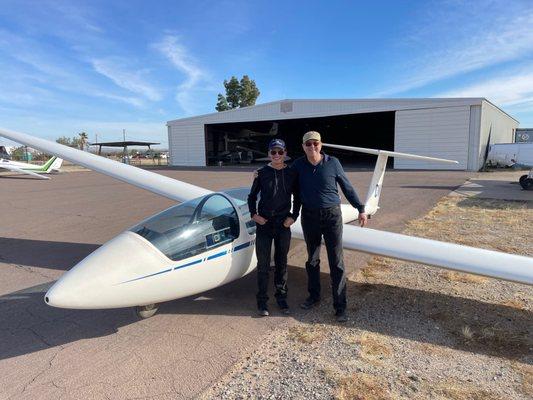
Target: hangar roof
[302,108]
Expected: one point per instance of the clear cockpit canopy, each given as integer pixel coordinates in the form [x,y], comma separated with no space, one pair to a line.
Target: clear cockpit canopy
[196,226]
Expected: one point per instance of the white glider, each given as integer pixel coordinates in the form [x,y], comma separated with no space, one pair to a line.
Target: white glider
[208,241]
[52,165]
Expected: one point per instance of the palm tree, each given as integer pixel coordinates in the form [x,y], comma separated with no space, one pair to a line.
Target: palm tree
[83,140]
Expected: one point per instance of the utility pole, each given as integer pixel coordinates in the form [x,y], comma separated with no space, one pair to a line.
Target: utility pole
[125,152]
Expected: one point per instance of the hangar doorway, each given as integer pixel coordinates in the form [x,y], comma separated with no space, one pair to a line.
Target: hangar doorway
[246,142]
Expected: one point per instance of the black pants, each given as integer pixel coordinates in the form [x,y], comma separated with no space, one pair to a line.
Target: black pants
[325,222]
[273,230]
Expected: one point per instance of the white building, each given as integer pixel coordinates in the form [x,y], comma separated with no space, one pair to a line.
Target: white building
[454,128]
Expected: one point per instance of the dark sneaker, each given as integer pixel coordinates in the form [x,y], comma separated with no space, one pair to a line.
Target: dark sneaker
[341,316]
[309,303]
[284,307]
[263,311]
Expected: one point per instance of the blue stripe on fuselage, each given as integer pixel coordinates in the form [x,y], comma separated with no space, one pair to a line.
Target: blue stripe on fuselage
[222,253]
[242,246]
[189,264]
[198,261]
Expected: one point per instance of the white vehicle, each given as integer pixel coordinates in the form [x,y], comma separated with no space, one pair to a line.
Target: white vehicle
[511,154]
[208,240]
[518,155]
[52,165]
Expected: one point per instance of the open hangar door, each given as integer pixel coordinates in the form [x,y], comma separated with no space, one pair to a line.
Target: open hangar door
[246,142]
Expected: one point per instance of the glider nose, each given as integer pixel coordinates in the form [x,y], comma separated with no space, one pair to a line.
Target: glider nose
[94,283]
[58,297]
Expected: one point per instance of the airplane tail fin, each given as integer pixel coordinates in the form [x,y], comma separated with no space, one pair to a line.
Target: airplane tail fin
[55,165]
[374,190]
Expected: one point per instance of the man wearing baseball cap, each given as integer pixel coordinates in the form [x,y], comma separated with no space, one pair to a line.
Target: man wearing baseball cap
[318,176]
[277,183]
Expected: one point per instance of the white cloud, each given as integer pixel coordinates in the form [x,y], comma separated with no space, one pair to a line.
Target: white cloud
[465,38]
[134,101]
[178,55]
[130,80]
[22,85]
[506,90]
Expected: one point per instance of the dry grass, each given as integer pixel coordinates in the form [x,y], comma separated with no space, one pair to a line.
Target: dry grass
[462,391]
[377,267]
[433,350]
[467,332]
[453,276]
[306,333]
[476,336]
[478,222]
[515,303]
[361,387]
[373,345]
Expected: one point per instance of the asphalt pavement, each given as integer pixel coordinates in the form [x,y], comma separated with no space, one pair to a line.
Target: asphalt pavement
[46,227]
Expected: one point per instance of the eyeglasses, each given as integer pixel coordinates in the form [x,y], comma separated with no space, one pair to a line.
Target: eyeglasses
[274,152]
[310,143]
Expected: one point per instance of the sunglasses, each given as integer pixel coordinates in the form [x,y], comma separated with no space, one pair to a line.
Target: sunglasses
[310,143]
[274,152]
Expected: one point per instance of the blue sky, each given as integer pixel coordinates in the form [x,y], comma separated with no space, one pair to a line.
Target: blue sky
[101,66]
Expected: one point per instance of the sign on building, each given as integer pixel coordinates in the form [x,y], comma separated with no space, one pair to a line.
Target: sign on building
[524,135]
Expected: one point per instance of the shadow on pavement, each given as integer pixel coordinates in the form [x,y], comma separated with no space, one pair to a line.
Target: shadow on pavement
[495,204]
[495,189]
[28,325]
[446,188]
[43,253]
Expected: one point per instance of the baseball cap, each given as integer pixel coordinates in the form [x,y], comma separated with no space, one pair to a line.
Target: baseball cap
[276,143]
[311,135]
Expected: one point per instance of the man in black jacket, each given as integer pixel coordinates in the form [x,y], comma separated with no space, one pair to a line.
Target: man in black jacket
[318,176]
[277,183]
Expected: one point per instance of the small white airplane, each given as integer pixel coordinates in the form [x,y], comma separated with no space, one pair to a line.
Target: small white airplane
[52,165]
[208,241]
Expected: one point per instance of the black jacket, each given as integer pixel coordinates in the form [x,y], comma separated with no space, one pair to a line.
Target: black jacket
[276,188]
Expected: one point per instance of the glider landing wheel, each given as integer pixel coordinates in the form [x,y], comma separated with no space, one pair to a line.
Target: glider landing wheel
[146,311]
[527,184]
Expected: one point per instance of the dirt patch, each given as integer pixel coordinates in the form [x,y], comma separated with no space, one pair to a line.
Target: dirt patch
[360,387]
[305,333]
[463,391]
[415,332]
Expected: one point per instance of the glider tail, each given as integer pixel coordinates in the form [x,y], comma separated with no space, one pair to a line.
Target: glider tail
[55,165]
[376,184]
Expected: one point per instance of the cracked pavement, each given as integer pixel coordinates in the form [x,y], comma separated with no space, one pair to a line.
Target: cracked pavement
[48,226]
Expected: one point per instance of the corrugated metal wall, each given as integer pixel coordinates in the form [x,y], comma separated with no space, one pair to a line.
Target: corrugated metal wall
[435,132]
[473,137]
[187,144]
[500,127]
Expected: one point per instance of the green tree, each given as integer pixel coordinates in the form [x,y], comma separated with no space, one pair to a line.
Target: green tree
[233,92]
[248,92]
[70,142]
[19,153]
[222,104]
[84,138]
[241,93]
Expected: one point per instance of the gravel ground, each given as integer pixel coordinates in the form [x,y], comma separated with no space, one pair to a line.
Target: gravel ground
[414,332]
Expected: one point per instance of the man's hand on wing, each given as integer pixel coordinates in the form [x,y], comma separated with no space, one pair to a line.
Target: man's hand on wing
[288,222]
[363,219]
[259,219]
